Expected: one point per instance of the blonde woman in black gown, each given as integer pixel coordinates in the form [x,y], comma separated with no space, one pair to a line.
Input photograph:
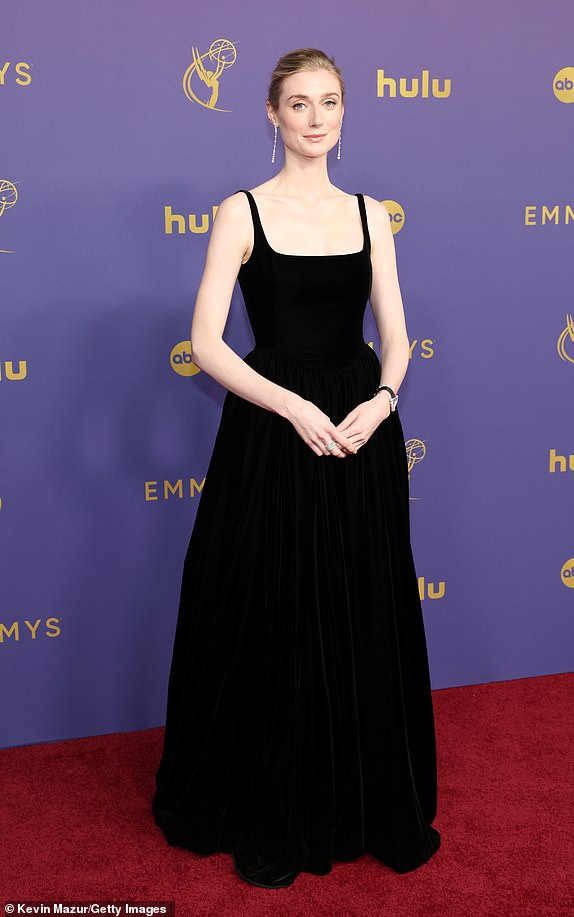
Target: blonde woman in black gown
[299,725]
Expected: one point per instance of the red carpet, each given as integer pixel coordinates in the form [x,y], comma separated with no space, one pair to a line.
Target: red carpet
[76,823]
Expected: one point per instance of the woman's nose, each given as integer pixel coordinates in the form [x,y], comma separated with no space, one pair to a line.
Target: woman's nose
[316,117]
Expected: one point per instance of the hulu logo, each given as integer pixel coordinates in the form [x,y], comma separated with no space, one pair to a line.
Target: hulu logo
[560,462]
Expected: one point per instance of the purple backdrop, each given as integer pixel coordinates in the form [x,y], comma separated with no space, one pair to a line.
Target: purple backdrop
[459,117]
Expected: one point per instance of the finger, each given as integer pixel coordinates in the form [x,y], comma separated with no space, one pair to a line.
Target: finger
[360,442]
[346,423]
[348,439]
[344,442]
[348,433]
[319,446]
[357,437]
[335,450]
[340,437]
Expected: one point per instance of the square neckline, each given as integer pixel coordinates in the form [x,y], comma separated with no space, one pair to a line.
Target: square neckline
[287,255]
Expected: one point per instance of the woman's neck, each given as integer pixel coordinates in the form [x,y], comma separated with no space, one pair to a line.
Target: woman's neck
[307,179]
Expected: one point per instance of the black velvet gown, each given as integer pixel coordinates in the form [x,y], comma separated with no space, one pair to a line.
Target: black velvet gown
[299,725]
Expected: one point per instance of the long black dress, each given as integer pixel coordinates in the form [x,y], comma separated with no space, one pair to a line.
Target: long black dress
[299,724]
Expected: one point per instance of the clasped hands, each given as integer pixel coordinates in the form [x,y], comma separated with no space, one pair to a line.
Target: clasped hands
[317,430]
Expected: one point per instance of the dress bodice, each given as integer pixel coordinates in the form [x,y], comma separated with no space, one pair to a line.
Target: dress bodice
[310,306]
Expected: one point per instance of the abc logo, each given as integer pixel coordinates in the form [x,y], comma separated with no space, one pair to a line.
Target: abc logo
[563,85]
[396,215]
[181,360]
[567,573]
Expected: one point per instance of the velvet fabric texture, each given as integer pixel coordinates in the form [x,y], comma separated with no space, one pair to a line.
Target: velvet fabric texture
[299,723]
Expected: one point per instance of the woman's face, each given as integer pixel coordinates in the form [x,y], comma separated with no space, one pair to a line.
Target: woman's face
[309,112]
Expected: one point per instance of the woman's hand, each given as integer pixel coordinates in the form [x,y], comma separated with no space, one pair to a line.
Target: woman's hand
[317,430]
[360,423]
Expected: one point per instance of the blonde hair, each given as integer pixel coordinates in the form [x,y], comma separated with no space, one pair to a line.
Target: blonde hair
[294,62]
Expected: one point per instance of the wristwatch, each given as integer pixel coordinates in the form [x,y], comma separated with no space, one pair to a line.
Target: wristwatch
[394,396]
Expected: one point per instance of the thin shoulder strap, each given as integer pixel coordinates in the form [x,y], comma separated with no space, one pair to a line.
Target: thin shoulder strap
[258,228]
[363,211]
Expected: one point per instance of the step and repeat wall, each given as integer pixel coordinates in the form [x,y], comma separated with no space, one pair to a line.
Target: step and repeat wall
[122,128]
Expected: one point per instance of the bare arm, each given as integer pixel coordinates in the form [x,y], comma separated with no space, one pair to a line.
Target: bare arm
[386,300]
[228,245]
[387,305]
[231,239]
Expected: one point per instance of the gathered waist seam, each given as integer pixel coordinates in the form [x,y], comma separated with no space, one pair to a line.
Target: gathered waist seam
[361,351]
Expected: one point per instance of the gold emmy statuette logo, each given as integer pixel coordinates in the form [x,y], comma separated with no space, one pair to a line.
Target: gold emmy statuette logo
[567,573]
[181,360]
[396,215]
[207,69]
[8,197]
[563,85]
[416,451]
[566,341]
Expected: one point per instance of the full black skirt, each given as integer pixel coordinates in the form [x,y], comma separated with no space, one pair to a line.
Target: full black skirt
[299,719]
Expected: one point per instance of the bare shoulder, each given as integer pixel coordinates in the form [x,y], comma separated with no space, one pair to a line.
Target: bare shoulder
[379,223]
[231,234]
[376,210]
[233,209]
[232,225]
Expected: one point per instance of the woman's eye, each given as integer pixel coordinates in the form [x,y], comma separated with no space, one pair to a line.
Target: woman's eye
[298,106]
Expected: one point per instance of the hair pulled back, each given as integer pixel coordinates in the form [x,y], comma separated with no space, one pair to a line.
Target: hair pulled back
[296,61]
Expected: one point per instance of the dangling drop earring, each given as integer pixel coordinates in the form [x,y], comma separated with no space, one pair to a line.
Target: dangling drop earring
[274,144]
[339,149]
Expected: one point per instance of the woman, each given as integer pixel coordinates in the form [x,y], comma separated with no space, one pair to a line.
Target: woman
[299,719]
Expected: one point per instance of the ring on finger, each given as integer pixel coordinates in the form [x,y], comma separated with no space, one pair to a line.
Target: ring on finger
[331,445]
